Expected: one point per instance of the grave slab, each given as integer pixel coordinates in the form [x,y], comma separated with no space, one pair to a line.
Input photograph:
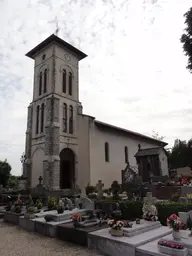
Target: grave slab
[108,245]
[12,217]
[144,226]
[48,228]
[67,232]
[151,248]
[27,224]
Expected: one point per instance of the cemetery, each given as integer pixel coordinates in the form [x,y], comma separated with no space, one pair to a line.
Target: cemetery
[127,219]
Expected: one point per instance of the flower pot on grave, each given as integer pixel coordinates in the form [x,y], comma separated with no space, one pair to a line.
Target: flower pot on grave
[176,235]
[116,232]
[171,251]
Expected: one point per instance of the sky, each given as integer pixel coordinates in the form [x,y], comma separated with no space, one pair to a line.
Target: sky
[135,62]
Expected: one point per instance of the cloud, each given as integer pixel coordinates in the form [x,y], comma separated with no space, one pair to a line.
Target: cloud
[135,63]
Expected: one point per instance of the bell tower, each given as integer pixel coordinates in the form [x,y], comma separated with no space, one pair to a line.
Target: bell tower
[52,135]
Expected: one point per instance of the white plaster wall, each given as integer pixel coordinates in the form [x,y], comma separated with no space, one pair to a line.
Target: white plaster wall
[70,66]
[37,165]
[83,151]
[164,163]
[110,171]
[41,65]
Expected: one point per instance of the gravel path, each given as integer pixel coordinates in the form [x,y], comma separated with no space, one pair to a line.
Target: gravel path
[17,242]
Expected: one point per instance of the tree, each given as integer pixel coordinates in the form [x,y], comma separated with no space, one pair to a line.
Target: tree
[5,170]
[13,181]
[186,38]
[157,136]
[180,155]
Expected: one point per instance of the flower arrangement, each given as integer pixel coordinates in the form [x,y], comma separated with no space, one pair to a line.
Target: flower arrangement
[18,205]
[76,217]
[174,222]
[39,204]
[115,224]
[171,244]
[150,214]
[52,202]
[60,206]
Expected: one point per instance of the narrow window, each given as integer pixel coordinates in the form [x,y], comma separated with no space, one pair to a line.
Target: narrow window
[126,155]
[42,117]
[37,120]
[70,83]
[106,152]
[70,119]
[65,117]
[64,80]
[40,83]
[45,81]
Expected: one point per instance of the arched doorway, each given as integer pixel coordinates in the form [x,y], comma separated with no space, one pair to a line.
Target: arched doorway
[67,168]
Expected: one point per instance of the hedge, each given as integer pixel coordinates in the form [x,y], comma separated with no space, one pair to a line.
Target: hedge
[165,209]
[133,209]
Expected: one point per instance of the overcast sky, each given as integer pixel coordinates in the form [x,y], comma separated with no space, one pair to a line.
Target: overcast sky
[135,62]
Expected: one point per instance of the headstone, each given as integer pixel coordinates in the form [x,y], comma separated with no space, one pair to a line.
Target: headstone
[86,203]
[40,179]
[83,193]
[99,187]
[149,200]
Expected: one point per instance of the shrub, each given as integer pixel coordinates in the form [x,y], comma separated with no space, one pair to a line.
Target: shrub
[165,209]
[90,189]
[131,210]
[52,202]
[39,204]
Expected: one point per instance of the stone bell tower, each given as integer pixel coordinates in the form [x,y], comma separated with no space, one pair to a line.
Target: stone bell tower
[52,134]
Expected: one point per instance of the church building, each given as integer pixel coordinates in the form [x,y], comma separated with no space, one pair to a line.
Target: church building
[66,147]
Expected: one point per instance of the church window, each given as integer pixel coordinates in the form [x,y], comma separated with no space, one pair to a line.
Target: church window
[42,117]
[70,83]
[45,81]
[43,57]
[64,80]
[71,119]
[106,152]
[40,83]
[65,117]
[37,120]
[126,155]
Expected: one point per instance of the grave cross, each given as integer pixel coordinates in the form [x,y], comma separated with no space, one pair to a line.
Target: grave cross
[149,200]
[40,179]
[99,187]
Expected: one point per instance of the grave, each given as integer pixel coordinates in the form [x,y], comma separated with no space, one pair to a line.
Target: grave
[50,228]
[151,248]
[12,217]
[79,235]
[106,244]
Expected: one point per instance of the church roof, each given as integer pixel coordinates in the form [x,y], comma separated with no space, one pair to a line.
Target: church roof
[135,134]
[149,151]
[58,40]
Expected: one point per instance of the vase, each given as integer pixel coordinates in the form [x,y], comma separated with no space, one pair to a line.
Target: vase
[116,232]
[176,235]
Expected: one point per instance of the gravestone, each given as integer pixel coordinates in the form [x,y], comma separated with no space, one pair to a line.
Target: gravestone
[86,203]
[99,187]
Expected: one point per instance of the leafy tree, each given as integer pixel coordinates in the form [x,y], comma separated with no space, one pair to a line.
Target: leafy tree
[157,136]
[180,155]
[13,181]
[186,38]
[5,170]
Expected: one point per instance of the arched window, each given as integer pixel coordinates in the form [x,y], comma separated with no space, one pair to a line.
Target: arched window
[126,155]
[42,117]
[64,80]
[71,119]
[70,83]
[37,120]
[65,117]
[106,152]
[40,83]
[45,81]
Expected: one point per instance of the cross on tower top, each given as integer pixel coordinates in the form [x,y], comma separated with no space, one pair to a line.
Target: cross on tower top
[40,179]
[57,26]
